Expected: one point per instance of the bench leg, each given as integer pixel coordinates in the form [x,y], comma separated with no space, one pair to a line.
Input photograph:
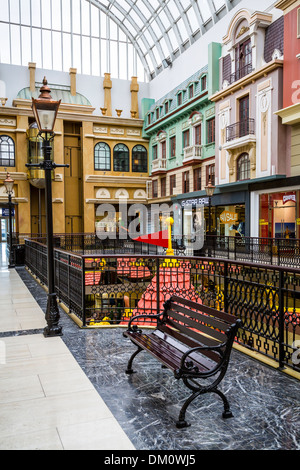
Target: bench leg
[227,412]
[182,423]
[129,369]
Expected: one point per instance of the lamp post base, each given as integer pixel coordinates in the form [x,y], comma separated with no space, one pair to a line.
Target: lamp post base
[52,317]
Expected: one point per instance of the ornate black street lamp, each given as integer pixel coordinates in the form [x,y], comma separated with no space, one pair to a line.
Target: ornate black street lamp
[45,110]
[209,189]
[9,186]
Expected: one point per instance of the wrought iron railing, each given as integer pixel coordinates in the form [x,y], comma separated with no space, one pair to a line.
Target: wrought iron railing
[240,129]
[108,289]
[241,72]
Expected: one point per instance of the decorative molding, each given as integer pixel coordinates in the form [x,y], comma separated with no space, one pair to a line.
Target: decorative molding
[116,131]
[100,130]
[8,122]
[242,31]
[17,176]
[133,132]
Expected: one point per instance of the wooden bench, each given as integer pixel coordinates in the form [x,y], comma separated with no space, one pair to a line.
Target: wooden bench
[192,340]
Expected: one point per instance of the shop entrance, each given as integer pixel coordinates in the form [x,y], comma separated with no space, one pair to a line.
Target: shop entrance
[4,229]
[278,215]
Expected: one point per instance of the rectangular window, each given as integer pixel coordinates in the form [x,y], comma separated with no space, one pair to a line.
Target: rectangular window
[157,113]
[179,99]
[166,107]
[186,182]
[154,189]
[197,179]
[149,118]
[198,135]
[210,130]
[186,138]
[210,174]
[172,184]
[163,150]
[163,187]
[154,152]
[172,147]
[203,83]
[191,91]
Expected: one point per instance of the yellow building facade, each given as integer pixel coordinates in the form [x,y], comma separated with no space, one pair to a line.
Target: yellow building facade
[107,158]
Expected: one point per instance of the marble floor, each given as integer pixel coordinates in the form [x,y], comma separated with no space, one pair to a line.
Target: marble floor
[71,392]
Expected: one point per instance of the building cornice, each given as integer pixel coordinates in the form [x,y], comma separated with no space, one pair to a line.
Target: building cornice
[75,115]
[250,78]
[290,115]
[287,5]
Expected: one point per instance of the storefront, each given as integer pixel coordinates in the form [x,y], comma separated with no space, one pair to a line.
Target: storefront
[227,214]
[279,214]
[275,211]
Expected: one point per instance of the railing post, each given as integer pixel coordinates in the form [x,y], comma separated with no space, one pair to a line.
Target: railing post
[157,287]
[226,303]
[281,319]
[83,292]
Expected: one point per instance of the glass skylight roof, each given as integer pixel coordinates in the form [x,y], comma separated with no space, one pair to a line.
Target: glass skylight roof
[123,37]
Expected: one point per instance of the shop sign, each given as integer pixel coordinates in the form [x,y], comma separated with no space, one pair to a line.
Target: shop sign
[4,212]
[228,217]
[198,201]
[263,222]
[298,221]
[288,197]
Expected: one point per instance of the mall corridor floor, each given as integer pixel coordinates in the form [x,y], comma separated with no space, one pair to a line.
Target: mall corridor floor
[72,393]
[46,400]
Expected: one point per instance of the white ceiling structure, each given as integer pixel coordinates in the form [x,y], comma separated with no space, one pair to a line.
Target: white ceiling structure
[160,30]
[123,37]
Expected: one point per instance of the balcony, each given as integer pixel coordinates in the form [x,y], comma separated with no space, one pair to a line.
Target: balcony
[159,166]
[192,154]
[240,73]
[240,129]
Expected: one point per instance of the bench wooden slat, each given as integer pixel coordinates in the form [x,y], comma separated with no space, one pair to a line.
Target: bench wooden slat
[187,340]
[196,325]
[168,352]
[211,311]
[208,319]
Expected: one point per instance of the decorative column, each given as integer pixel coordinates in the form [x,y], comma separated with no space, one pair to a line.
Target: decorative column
[32,67]
[134,89]
[107,85]
[72,73]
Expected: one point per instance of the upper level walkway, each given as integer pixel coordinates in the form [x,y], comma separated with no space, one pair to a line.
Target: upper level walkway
[71,392]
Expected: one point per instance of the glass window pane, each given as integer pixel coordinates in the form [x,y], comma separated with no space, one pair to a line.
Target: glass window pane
[56,14]
[4,43]
[86,56]
[15,45]
[25,12]
[67,59]
[46,14]
[95,57]
[57,48]
[14,11]
[36,13]
[123,61]
[4,10]
[26,45]
[47,50]
[36,47]
[66,16]
[114,59]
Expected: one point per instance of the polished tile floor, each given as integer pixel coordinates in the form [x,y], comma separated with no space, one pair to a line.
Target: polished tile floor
[71,392]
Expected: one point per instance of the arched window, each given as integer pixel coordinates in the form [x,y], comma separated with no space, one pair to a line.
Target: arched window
[121,158]
[102,156]
[7,151]
[139,159]
[243,167]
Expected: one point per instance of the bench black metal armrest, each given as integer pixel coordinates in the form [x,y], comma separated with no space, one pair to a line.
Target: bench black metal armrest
[137,317]
[187,367]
